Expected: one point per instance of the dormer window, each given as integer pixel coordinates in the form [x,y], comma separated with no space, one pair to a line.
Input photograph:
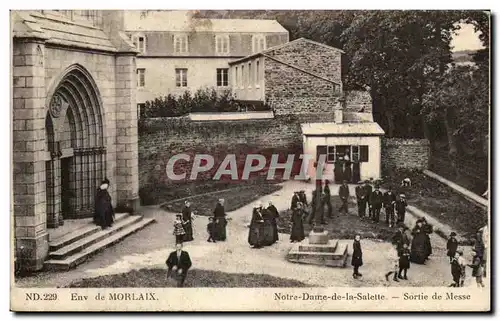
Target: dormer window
[181,44]
[140,42]
[222,44]
[258,43]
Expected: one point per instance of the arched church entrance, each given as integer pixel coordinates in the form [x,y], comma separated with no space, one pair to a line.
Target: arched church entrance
[76,154]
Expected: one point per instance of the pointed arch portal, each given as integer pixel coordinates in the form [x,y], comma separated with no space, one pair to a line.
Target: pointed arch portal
[76,157]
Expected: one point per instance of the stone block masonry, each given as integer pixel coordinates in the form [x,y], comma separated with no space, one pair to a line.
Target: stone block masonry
[405,153]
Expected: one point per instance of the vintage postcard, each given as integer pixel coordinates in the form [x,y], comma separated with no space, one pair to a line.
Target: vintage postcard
[288,160]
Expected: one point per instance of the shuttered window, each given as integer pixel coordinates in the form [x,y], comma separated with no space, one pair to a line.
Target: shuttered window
[363,153]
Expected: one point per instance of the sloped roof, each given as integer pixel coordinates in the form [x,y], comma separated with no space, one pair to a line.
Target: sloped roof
[60,30]
[343,129]
[181,21]
[286,44]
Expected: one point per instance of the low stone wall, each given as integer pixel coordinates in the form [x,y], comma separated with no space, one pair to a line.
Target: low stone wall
[405,153]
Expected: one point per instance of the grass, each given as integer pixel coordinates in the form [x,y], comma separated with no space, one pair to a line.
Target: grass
[234,199]
[156,278]
[344,226]
[440,201]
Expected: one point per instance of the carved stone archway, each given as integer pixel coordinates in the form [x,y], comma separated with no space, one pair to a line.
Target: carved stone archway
[76,153]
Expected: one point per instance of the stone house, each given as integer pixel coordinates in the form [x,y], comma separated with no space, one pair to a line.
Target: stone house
[74,120]
[178,53]
[304,77]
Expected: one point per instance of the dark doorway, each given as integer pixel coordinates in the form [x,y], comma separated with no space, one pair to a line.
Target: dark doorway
[356,172]
[66,193]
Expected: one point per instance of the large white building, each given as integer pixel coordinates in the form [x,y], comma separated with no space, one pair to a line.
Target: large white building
[179,53]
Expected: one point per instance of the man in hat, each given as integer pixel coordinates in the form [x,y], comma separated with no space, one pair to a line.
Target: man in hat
[295,200]
[178,263]
[368,192]
[361,197]
[344,197]
[328,198]
[401,205]
[389,203]
[376,200]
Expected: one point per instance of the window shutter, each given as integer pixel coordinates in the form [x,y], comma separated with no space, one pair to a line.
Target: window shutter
[363,153]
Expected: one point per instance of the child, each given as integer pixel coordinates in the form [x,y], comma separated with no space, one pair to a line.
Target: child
[458,269]
[357,256]
[211,230]
[404,262]
[452,245]
[393,264]
[477,269]
[401,205]
[179,231]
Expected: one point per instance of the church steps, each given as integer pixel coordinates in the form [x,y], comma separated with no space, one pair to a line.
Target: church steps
[79,234]
[120,233]
[87,241]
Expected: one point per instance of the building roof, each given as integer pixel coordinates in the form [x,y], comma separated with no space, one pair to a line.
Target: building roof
[181,21]
[343,129]
[286,44]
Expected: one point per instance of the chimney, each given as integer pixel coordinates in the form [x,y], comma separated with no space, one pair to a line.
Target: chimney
[339,112]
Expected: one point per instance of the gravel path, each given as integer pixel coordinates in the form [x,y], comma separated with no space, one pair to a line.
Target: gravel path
[151,246]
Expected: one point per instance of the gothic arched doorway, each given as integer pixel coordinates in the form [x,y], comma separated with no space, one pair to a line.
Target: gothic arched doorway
[76,161]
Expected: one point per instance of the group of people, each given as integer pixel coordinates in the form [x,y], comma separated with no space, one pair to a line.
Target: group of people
[183,224]
[263,229]
[371,200]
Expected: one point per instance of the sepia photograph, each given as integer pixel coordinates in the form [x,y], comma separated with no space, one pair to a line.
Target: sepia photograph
[294,160]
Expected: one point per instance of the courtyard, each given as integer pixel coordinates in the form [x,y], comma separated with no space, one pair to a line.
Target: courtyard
[142,257]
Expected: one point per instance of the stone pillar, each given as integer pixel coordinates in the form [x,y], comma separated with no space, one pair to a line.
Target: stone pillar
[127,162]
[53,192]
[28,84]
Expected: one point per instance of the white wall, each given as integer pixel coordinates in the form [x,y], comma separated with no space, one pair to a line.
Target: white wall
[370,169]
[160,75]
[243,88]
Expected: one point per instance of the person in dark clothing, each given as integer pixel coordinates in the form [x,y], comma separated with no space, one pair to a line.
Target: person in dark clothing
[255,234]
[398,239]
[376,200]
[368,192]
[303,197]
[428,231]
[297,231]
[179,230]
[178,264]
[211,230]
[274,215]
[451,246]
[389,202]
[458,269]
[328,199]
[361,198]
[295,200]
[418,245]
[404,262]
[187,217]
[313,208]
[220,221]
[104,213]
[401,205]
[477,269]
[344,197]
[357,256]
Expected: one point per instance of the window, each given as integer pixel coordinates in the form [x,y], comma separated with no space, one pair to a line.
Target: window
[141,108]
[222,77]
[355,153]
[140,43]
[236,77]
[363,153]
[257,74]
[181,77]
[243,76]
[181,44]
[250,75]
[330,154]
[141,77]
[222,44]
[258,43]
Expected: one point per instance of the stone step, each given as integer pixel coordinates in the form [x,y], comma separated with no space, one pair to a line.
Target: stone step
[80,233]
[87,241]
[335,259]
[80,257]
[330,247]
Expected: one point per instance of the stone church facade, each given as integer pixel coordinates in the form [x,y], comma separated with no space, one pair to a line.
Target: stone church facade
[74,120]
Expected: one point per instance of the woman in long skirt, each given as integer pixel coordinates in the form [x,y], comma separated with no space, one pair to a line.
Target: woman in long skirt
[297,233]
[103,212]
[274,215]
[220,221]
[428,231]
[357,257]
[255,233]
[419,246]
[187,217]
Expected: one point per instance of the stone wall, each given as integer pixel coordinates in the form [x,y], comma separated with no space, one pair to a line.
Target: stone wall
[357,101]
[405,153]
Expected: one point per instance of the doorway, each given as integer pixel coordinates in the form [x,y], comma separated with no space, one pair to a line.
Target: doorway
[67,194]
